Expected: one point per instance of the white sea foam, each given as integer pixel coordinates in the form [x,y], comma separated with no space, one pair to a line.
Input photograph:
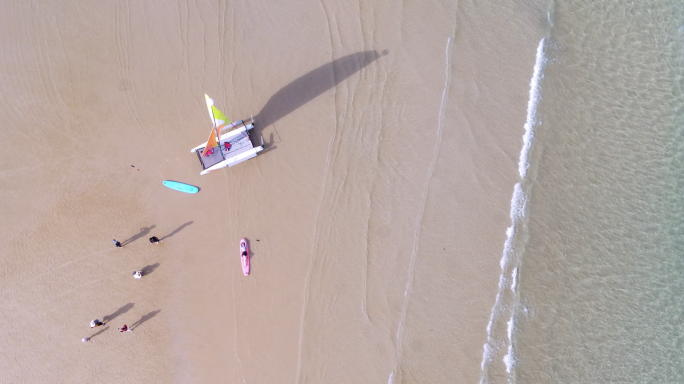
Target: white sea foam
[487,355]
[509,359]
[505,302]
[508,247]
[532,103]
[514,279]
[518,203]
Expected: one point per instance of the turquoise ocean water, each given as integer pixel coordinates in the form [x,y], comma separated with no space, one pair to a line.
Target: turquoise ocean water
[592,285]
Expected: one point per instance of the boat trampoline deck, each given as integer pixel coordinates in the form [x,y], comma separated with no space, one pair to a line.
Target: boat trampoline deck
[238,144]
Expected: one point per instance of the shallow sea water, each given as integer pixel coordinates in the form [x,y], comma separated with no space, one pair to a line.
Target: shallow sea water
[592,280]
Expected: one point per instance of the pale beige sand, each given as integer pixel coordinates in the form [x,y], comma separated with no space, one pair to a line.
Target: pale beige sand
[376,215]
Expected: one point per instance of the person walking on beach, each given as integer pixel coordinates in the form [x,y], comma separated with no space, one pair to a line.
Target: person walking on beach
[118,245]
[155,240]
[85,339]
[137,274]
[96,323]
[125,329]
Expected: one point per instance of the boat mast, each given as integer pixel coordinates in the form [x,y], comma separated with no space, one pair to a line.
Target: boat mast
[213,138]
[218,138]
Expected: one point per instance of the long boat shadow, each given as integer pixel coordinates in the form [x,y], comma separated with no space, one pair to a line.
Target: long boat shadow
[309,86]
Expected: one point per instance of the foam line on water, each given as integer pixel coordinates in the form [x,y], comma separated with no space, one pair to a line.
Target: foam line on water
[532,103]
[514,279]
[509,359]
[505,301]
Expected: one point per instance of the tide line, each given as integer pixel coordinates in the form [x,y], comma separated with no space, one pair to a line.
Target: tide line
[416,241]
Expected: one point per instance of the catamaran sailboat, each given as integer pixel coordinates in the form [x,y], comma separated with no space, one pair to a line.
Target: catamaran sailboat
[225,149]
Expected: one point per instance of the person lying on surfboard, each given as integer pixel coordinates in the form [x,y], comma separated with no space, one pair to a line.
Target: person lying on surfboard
[244,256]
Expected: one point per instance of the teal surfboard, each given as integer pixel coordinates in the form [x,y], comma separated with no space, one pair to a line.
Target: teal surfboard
[180,186]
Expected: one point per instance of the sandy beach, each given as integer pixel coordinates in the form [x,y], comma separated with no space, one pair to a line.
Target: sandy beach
[376,215]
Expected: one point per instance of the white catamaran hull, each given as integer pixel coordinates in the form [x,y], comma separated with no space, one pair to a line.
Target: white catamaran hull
[234,160]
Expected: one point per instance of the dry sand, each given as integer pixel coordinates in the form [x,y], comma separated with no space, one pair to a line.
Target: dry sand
[376,215]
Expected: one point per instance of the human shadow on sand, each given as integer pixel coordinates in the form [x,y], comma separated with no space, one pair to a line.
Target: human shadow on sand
[97,333]
[309,86]
[118,312]
[149,269]
[177,230]
[144,319]
[143,232]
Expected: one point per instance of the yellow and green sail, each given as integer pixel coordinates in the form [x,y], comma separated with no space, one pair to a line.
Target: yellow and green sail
[219,120]
[217,117]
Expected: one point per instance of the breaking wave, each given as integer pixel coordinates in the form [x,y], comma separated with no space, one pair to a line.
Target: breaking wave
[498,340]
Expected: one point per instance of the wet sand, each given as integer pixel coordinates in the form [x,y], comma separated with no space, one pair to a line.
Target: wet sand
[376,214]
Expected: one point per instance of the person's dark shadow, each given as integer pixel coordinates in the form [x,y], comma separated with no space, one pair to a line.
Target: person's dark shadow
[143,232]
[309,86]
[149,269]
[177,230]
[144,319]
[118,312]
[97,333]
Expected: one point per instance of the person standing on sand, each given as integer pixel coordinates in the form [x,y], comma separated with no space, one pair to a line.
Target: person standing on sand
[118,245]
[125,329]
[85,339]
[155,240]
[96,323]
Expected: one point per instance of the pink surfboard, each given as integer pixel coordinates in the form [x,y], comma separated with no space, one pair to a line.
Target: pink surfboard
[244,256]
